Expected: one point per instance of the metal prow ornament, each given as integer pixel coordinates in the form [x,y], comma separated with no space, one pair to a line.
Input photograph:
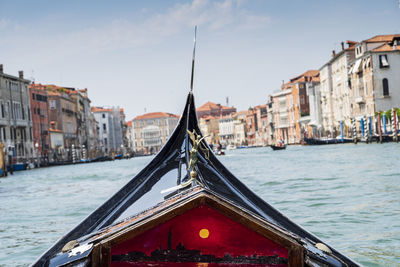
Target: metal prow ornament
[197,144]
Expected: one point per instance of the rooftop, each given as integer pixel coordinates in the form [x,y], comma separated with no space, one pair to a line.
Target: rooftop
[212,106]
[155,115]
[382,38]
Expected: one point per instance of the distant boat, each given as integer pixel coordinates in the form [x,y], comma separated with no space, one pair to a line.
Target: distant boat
[230,147]
[275,147]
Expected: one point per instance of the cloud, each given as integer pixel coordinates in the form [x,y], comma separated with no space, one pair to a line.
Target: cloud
[128,33]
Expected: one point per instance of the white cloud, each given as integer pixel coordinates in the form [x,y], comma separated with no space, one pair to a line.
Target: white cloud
[127,33]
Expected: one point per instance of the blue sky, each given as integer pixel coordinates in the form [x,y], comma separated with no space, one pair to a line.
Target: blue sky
[137,54]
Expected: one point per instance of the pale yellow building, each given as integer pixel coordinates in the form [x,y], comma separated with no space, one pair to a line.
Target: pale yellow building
[152,130]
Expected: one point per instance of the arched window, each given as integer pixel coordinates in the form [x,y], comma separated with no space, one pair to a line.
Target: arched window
[385,84]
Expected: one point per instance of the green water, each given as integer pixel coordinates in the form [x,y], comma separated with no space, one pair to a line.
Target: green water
[348,195]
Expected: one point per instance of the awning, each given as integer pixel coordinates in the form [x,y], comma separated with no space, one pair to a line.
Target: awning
[357,66]
[351,70]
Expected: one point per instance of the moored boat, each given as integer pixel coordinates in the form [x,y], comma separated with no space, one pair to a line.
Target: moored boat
[327,141]
[186,209]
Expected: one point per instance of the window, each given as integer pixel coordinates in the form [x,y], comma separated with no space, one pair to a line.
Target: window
[33,96]
[302,102]
[2,109]
[53,104]
[383,61]
[105,141]
[104,115]
[385,85]
[104,127]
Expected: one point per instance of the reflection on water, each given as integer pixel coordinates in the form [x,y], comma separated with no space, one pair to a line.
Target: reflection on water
[348,195]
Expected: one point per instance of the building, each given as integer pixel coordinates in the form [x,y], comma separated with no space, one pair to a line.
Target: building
[152,130]
[240,128]
[262,120]
[335,92]
[374,80]
[63,124]
[15,116]
[40,121]
[301,103]
[284,123]
[314,97]
[226,130]
[209,126]
[212,109]
[291,109]
[109,129]
[129,136]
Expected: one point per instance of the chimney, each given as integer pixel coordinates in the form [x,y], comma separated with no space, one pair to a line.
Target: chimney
[342,43]
[21,74]
[333,53]
[1,68]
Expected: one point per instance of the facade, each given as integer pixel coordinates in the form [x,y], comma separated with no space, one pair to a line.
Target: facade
[283,111]
[290,109]
[40,122]
[335,91]
[129,136]
[240,128]
[314,96]
[152,130]
[262,120]
[109,129]
[15,117]
[226,130]
[212,109]
[374,80]
[62,117]
[209,126]
[301,103]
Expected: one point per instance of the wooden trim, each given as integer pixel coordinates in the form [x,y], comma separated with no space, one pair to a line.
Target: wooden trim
[101,255]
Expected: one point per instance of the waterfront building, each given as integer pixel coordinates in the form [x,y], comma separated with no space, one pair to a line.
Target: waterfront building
[209,126]
[109,129]
[291,108]
[212,109]
[252,126]
[314,96]
[240,128]
[85,137]
[335,92]
[40,122]
[301,103]
[129,136]
[226,130]
[63,124]
[15,117]
[284,124]
[262,120]
[152,130]
[375,79]
[257,121]
[270,121]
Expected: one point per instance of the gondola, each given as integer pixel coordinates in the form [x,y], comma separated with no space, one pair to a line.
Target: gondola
[275,147]
[186,209]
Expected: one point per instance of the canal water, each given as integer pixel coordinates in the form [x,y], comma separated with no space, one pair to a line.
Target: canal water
[348,195]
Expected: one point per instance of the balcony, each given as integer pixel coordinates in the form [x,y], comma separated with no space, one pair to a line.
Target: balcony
[360,100]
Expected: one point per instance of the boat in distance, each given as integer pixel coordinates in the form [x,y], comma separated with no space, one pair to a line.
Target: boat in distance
[186,209]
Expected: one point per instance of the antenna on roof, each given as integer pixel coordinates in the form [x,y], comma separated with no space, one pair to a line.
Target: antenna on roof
[194,53]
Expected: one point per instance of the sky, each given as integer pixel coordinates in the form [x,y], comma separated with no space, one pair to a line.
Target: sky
[137,54]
